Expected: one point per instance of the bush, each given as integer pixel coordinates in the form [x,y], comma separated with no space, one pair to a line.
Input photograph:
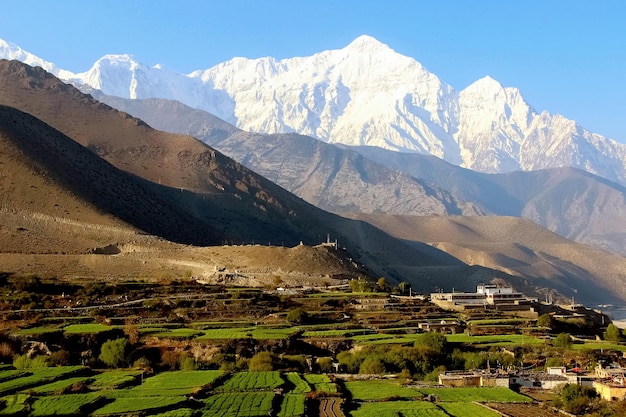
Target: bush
[262,361]
[297,316]
[576,398]
[113,352]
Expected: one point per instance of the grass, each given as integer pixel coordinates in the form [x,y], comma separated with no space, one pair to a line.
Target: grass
[379,390]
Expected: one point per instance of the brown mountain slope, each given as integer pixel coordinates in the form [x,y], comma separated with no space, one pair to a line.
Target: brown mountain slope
[46,174]
[517,247]
[202,183]
[58,208]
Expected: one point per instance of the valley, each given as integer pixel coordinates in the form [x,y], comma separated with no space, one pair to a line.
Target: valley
[156,260]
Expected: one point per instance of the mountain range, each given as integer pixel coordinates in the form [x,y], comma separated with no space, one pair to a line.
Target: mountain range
[365,94]
[364,180]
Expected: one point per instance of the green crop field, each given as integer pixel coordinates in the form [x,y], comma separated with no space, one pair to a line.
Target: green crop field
[379,390]
[35,377]
[13,404]
[137,404]
[113,379]
[35,331]
[64,405]
[470,394]
[293,405]
[181,412]
[300,385]
[399,409]
[7,374]
[252,381]
[336,332]
[239,404]
[599,345]
[321,383]
[182,333]
[175,383]
[58,386]
[467,410]
[258,333]
[495,340]
[88,328]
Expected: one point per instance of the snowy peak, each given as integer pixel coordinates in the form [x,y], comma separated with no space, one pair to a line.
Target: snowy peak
[9,50]
[365,94]
[366,43]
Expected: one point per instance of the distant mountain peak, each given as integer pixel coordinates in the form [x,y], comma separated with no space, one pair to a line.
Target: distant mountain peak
[365,94]
[367,43]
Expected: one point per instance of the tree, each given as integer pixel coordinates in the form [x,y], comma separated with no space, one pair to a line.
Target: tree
[113,352]
[262,361]
[613,333]
[431,343]
[576,398]
[562,341]
[404,287]
[545,320]
[372,365]
[325,365]
[297,316]
[382,284]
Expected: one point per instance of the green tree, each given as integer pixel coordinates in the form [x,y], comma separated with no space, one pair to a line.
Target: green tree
[359,285]
[404,287]
[382,284]
[113,352]
[613,333]
[262,361]
[325,364]
[576,398]
[431,343]
[372,365]
[562,341]
[297,316]
[24,362]
[545,320]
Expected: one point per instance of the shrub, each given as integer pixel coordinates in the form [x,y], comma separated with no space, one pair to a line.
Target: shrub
[113,352]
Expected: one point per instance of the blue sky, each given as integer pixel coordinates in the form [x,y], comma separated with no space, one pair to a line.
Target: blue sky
[567,57]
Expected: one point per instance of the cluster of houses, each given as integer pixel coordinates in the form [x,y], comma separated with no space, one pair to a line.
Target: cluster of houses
[609,382]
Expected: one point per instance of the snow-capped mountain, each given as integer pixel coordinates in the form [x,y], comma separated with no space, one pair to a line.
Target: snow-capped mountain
[366,94]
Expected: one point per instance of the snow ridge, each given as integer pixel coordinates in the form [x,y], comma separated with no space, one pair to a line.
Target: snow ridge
[365,94]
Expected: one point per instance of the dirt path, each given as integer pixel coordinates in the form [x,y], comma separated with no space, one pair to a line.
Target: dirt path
[331,407]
